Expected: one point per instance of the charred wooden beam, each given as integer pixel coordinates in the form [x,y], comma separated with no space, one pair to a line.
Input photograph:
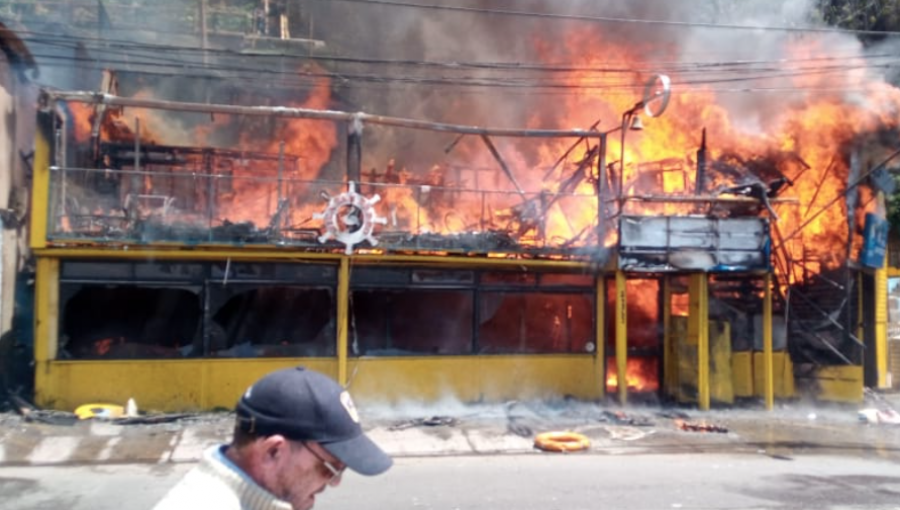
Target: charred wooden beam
[850,184]
[701,165]
[503,165]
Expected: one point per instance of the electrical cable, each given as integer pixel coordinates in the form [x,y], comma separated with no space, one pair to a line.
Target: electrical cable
[606,19]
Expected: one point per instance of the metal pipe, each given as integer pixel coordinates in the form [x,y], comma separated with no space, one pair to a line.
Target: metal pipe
[137,144]
[620,192]
[63,211]
[768,365]
[280,170]
[281,111]
[703,199]
[210,192]
[601,185]
[135,177]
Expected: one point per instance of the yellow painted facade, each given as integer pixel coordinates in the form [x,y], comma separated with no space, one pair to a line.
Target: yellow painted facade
[193,384]
[475,378]
[781,375]
[161,385]
[840,383]
[742,374]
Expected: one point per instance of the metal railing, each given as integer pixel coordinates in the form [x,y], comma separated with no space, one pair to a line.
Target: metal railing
[192,204]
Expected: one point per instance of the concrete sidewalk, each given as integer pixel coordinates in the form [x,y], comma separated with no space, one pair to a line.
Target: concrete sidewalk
[476,430]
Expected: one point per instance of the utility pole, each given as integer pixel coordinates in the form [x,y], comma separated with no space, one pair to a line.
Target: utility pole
[204,42]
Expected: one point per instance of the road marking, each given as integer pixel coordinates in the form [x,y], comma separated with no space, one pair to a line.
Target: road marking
[53,450]
[108,449]
[170,451]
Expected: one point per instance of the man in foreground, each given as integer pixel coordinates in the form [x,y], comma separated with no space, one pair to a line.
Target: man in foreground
[296,432]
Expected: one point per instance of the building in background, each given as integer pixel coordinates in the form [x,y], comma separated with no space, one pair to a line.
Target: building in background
[17,105]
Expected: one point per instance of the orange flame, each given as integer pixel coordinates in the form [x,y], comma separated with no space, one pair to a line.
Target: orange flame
[641,375]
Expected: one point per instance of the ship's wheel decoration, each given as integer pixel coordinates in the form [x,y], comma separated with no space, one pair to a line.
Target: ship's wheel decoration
[350,218]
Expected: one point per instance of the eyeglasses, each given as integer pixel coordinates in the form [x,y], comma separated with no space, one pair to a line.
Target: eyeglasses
[335,472]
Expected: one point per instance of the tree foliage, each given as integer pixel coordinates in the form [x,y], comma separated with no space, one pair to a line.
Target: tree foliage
[867,15]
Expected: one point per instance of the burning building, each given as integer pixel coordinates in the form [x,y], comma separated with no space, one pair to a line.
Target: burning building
[689,244]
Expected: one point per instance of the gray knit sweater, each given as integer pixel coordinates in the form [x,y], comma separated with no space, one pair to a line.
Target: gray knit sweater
[216,483]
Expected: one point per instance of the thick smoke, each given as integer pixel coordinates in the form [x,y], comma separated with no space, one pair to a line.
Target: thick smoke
[753,74]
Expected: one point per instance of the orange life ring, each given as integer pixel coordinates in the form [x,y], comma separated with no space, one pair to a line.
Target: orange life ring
[561,442]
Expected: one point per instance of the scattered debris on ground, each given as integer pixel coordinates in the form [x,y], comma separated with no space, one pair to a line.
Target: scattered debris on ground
[700,427]
[621,418]
[32,414]
[881,412]
[153,419]
[885,416]
[434,421]
[673,414]
[519,429]
[514,424]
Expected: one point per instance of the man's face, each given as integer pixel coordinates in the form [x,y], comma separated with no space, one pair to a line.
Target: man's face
[302,473]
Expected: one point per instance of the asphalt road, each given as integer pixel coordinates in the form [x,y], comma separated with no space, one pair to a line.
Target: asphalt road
[524,482]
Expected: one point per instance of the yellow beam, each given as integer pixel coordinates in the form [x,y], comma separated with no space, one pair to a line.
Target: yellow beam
[600,334]
[40,181]
[343,308]
[621,338]
[768,365]
[262,253]
[698,327]
[46,328]
[157,253]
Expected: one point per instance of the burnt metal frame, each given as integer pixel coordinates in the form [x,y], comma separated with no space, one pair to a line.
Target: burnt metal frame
[355,121]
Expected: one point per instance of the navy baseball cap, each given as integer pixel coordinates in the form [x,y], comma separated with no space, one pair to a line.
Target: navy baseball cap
[304,405]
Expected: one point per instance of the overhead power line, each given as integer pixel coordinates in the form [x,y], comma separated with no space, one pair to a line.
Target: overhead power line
[151,55]
[535,86]
[606,19]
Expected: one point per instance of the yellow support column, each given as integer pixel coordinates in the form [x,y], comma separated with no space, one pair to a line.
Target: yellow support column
[698,327]
[768,365]
[621,338]
[46,329]
[881,325]
[600,334]
[860,309]
[40,183]
[343,309]
[668,360]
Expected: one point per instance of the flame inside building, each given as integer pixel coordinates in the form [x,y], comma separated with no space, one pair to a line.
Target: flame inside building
[791,152]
